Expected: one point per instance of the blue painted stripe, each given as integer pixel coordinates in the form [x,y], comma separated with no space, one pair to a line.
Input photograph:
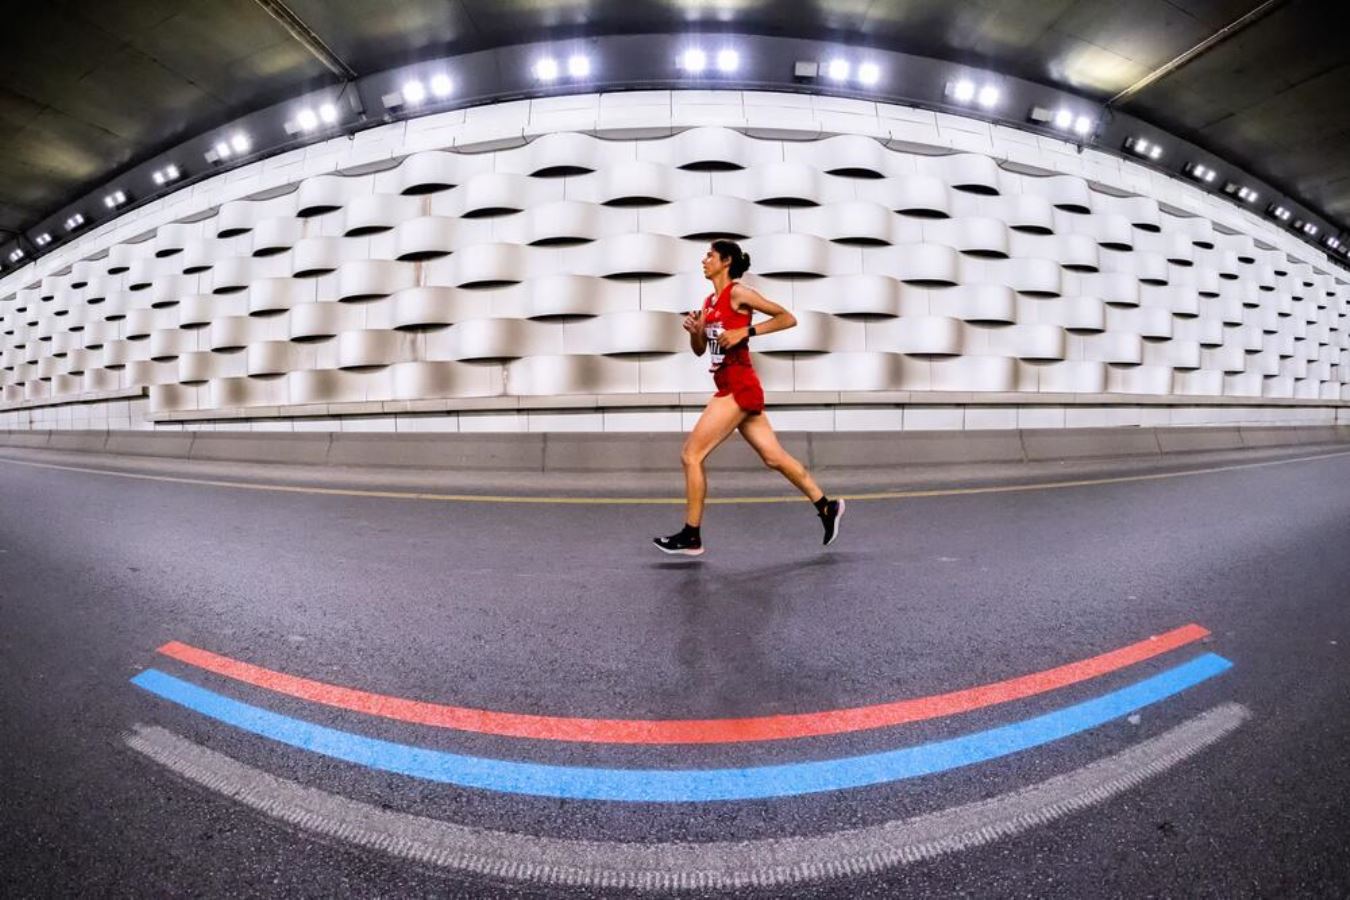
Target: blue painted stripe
[682,785]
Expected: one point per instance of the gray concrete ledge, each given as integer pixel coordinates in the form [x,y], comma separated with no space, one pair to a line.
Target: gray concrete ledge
[575,402]
[657,452]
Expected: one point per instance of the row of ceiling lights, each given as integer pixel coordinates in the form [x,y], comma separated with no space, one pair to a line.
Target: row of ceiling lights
[697,61]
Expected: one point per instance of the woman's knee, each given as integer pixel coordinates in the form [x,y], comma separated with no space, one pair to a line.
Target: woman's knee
[691,455]
[777,460]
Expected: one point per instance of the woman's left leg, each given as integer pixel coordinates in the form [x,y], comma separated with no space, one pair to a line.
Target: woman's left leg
[758,433]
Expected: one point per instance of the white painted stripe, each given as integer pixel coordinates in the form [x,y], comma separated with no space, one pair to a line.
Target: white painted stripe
[682,866]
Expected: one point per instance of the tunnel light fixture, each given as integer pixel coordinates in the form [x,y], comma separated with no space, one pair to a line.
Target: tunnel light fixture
[694,61]
[237,144]
[166,175]
[1062,118]
[309,119]
[41,240]
[115,199]
[838,70]
[1241,191]
[1277,211]
[16,254]
[966,91]
[441,86]
[1201,172]
[1307,228]
[1333,242]
[74,221]
[413,91]
[1144,147]
[578,66]
[546,69]
[728,60]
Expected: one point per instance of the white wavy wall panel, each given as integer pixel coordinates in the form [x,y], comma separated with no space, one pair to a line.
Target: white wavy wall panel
[563,267]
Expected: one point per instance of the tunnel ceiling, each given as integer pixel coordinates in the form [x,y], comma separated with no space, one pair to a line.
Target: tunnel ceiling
[89,88]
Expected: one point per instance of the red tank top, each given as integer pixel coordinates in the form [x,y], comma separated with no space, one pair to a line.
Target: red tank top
[721,316]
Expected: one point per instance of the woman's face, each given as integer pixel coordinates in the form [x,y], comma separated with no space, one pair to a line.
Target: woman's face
[714,263]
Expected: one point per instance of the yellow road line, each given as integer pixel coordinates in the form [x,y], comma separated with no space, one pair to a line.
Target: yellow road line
[607,501]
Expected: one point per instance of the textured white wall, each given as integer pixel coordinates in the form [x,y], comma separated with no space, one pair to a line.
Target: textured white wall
[914,256]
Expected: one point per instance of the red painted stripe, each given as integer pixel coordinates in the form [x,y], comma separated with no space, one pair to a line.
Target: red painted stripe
[684,731]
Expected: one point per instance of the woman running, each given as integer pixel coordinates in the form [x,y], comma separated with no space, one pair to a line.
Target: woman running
[724,326]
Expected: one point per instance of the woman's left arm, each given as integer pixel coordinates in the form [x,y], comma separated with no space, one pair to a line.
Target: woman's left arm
[743,297]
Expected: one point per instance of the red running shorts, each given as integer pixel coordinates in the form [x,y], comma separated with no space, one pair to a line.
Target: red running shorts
[742,383]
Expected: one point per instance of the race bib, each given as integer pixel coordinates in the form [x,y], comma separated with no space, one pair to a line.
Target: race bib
[716,353]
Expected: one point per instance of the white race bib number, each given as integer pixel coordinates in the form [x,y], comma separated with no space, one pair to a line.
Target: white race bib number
[711,332]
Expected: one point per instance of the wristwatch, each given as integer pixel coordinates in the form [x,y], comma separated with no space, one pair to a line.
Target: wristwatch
[752,331]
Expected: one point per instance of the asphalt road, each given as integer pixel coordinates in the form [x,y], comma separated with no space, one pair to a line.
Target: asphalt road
[566,610]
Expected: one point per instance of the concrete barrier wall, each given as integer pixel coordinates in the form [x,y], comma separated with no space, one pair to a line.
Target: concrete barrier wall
[657,452]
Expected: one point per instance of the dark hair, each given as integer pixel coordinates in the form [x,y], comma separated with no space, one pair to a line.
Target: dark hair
[740,260]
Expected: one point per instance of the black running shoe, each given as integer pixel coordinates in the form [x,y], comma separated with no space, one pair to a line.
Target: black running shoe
[834,511]
[680,543]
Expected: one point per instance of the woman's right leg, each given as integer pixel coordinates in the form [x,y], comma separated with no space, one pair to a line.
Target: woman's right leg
[720,418]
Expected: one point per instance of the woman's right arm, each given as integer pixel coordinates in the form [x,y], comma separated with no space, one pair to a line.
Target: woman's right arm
[698,341]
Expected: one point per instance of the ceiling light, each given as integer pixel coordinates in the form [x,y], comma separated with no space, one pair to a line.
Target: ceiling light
[16,255]
[222,151]
[41,240]
[74,221]
[838,70]
[441,86]
[579,66]
[1064,119]
[1082,125]
[115,199]
[1280,212]
[1200,172]
[328,113]
[728,60]
[693,60]
[308,119]
[240,142]
[987,96]
[546,69]
[414,92]
[869,73]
